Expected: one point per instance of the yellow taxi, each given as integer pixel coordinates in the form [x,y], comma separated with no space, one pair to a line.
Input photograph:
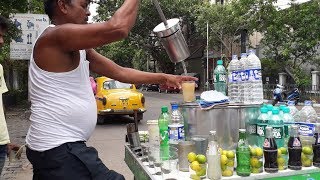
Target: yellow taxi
[114,97]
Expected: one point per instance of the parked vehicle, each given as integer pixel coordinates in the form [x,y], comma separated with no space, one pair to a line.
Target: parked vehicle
[282,96]
[152,87]
[117,98]
[168,89]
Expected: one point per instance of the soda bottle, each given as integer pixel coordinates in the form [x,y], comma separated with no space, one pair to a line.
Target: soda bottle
[213,158]
[261,125]
[295,148]
[316,147]
[287,120]
[243,155]
[176,126]
[270,107]
[281,107]
[242,76]
[278,128]
[270,152]
[233,84]
[294,111]
[163,123]
[251,125]
[254,84]
[220,77]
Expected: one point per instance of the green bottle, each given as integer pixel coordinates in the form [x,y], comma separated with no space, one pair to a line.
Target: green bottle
[163,123]
[243,155]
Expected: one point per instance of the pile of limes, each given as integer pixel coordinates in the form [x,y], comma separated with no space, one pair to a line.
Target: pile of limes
[306,156]
[227,162]
[282,159]
[197,164]
[256,163]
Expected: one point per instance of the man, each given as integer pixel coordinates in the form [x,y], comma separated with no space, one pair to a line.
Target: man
[63,108]
[5,146]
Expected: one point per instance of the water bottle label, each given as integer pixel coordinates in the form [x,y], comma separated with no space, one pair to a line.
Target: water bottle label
[277,132]
[247,72]
[220,78]
[242,76]
[176,132]
[306,129]
[234,76]
[252,129]
[261,129]
[254,75]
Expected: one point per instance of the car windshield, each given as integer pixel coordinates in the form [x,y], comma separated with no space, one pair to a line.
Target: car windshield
[113,84]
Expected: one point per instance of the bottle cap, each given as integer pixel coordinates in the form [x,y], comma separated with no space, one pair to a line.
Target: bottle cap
[275,110]
[264,110]
[243,55]
[282,106]
[291,103]
[270,107]
[164,109]
[174,107]
[252,51]
[307,103]
[242,130]
[220,62]
[234,57]
[286,110]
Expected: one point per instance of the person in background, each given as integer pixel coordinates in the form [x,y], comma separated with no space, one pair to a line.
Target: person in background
[63,107]
[93,85]
[5,146]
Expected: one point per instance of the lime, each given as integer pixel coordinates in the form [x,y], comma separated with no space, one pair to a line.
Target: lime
[195,166]
[195,177]
[230,154]
[227,172]
[283,150]
[220,150]
[192,157]
[254,162]
[223,167]
[230,163]
[307,163]
[303,157]
[201,172]
[279,153]
[307,150]
[260,164]
[223,160]
[255,170]
[224,152]
[259,152]
[253,152]
[201,158]
[281,168]
[280,161]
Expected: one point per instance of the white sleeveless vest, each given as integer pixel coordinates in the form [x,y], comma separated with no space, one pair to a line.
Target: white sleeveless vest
[63,107]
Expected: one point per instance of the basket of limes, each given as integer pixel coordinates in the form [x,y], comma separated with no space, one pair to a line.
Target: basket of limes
[198,165]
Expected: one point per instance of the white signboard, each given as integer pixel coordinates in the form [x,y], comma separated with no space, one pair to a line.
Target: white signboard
[31,26]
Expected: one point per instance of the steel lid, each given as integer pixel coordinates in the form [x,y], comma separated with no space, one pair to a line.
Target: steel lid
[163,31]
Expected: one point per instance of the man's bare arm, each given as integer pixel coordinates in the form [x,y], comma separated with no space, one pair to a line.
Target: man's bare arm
[103,66]
[72,37]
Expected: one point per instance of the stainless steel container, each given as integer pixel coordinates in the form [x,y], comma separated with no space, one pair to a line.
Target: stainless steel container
[172,40]
[226,120]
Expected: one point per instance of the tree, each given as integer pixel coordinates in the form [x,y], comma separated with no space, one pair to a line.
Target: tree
[141,36]
[291,37]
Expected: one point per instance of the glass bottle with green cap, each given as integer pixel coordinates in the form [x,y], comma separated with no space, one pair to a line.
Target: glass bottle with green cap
[220,77]
[163,123]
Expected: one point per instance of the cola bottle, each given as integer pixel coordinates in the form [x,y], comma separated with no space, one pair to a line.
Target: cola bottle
[316,147]
[295,149]
[270,152]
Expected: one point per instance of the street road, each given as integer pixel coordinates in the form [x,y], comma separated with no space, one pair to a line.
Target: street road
[109,138]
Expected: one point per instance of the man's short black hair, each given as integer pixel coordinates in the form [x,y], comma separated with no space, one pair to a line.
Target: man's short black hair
[49,6]
[3,23]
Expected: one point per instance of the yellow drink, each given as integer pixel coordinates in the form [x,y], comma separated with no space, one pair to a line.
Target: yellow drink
[188,88]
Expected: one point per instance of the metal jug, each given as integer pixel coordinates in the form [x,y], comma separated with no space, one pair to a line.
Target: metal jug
[171,37]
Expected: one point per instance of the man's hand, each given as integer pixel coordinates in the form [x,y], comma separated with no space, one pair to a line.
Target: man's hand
[11,147]
[176,80]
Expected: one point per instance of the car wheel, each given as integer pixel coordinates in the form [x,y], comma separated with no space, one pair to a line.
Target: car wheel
[100,119]
[139,116]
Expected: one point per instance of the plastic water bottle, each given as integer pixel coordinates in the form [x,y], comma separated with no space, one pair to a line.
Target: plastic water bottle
[281,107]
[287,120]
[307,113]
[163,123]
[270,108]
[243,155]
[308,118]
[242,76]
[213,159]
[294,111]
[255,79]
[220,77]
[176,126]
[233,83]
[278,128]
[262,123]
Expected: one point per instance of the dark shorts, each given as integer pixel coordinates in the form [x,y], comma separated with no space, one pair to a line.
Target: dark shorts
[3,154]
[70,161]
